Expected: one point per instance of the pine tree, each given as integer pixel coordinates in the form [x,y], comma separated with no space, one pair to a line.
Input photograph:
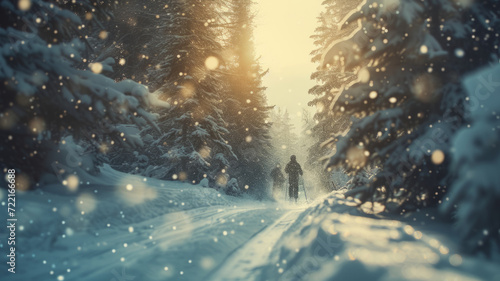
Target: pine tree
[130,36]
[409,57]
[246,108]
[193,139]
[329,83]
[50,89]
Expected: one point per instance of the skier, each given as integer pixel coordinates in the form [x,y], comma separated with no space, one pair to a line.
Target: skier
[278,179]
[293,170]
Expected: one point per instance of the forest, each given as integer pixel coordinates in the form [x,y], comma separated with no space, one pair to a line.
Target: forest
[129,120]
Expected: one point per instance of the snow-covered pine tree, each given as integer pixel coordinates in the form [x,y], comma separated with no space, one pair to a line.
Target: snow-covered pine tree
[193,140]
[49,90]
[474,195]
[329,82]
[246,109]
[128,37]
[409,57]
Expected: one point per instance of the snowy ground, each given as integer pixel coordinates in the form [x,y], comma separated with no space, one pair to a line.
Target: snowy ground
[118,227]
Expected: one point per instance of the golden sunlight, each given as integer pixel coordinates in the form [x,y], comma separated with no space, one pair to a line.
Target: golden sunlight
[282,38]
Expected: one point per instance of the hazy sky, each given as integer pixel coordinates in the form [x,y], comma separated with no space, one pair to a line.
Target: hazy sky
[282,31]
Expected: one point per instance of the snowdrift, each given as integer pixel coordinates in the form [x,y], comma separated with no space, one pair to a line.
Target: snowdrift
[335,241]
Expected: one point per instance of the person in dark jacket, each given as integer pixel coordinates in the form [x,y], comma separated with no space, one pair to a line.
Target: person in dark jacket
[277,176]
[293,170]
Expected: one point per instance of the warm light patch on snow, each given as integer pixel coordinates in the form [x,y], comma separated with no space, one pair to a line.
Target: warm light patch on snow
[408,229]
[372,208]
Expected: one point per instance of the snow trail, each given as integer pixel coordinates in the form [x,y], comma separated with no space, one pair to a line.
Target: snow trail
[246,261]
[171,243]
[187,232]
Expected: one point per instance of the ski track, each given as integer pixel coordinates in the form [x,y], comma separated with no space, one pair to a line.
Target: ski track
[168,239]
[245,262]
[194,223]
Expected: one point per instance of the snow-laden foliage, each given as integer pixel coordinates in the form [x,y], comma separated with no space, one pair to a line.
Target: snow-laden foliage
[326,90]
[192,143]
[409,58]
[475,193]
[50,89]
[246,110]
[204,66]
[130,37]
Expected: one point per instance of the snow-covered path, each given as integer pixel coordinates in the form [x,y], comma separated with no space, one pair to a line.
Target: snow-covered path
[146,229]
[185,244]
[245,263]
[121,227]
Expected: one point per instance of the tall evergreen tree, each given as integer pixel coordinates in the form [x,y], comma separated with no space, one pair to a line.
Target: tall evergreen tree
[409,57]
[246,108]
[329,81]
[193,139]
[130,36]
